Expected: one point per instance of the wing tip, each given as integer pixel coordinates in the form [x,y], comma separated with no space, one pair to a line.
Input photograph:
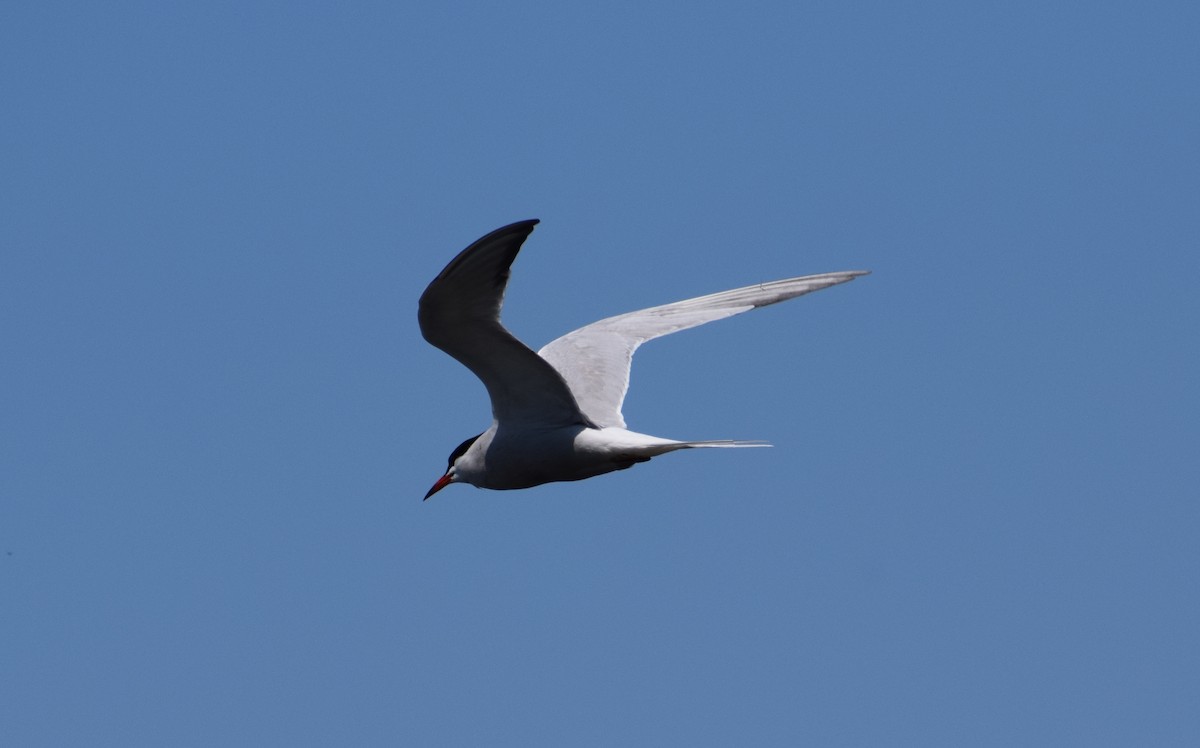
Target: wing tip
[524,228]
[521,229]
[845,275]
[517,225]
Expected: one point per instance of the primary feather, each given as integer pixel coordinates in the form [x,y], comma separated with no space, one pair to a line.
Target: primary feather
[595,359]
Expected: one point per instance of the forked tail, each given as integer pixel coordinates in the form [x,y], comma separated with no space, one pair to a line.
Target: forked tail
[725,443]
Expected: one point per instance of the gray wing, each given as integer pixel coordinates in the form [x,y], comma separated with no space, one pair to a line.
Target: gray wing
[595,359]
[460,314]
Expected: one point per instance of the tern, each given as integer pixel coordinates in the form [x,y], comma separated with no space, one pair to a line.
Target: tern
[556,414]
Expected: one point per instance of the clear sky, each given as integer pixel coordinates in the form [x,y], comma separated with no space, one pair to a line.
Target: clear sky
[979,523]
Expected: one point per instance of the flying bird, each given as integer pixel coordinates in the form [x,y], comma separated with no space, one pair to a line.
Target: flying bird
[556,414]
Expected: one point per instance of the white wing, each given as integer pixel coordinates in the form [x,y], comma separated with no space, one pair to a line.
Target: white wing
[595,359]
[460,313]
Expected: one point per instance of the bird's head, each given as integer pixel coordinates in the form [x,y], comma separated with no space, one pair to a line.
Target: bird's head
[451,475]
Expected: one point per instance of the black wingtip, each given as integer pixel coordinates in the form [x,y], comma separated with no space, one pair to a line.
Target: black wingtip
[512,228]
[519,230]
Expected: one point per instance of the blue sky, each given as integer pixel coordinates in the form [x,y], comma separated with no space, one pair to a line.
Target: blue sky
[217,417]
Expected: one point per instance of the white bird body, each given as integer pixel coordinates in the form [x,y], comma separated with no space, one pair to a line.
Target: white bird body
[557,413]
[503,458]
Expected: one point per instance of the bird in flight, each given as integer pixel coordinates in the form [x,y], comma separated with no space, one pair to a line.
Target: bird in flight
[556,414]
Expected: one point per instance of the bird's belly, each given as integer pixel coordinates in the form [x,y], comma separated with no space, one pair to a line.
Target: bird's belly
[533,458]
[530,458]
